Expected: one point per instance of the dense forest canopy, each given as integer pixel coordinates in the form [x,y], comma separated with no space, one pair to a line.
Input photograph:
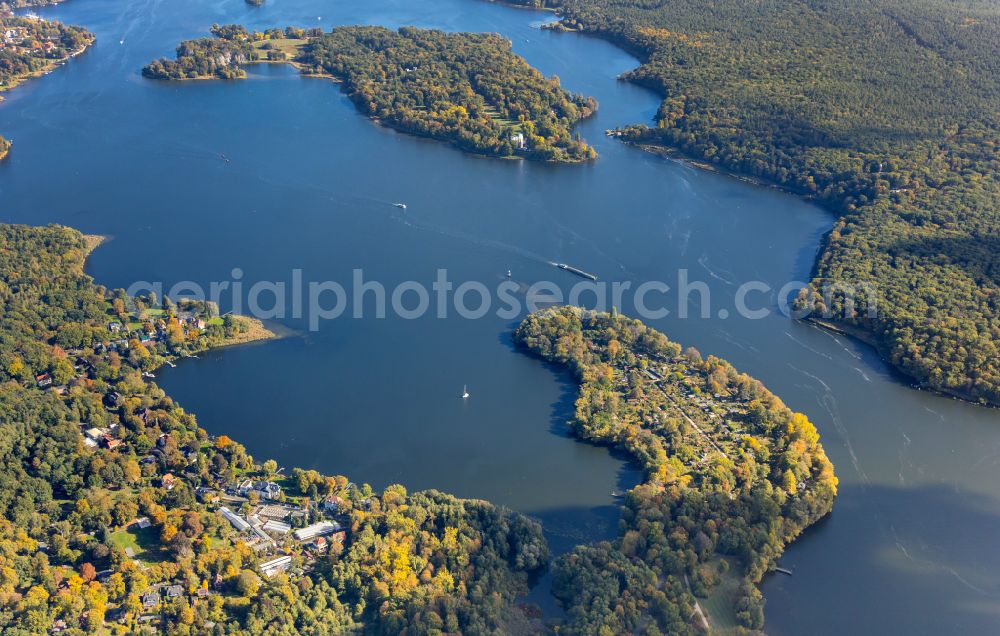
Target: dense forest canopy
[886,111]
[468,89]
[110,514]
[732,476]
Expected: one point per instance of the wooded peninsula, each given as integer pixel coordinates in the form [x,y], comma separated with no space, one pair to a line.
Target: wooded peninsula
[732,476]
[467,89]
[886,113]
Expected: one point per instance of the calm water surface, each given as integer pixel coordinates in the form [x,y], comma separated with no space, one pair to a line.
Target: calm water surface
[911,545]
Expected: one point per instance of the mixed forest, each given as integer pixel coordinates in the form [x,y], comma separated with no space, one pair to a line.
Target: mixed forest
[732,476]
[113,510]
[467,89]
[886,113]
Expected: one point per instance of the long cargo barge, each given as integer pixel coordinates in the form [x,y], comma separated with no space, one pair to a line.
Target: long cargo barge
[574,270]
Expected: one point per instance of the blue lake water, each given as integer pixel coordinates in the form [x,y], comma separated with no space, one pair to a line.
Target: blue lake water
[309,185]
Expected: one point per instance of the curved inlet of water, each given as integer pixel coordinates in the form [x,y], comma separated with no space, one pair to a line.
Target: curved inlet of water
[309,185]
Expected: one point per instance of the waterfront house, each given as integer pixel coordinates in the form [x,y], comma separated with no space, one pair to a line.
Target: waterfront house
[333,504]
[268,489]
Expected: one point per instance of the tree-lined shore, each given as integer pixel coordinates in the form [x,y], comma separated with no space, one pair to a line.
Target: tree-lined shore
[885,113]
[119,513]
[469,90]
[30,47]
[732,476]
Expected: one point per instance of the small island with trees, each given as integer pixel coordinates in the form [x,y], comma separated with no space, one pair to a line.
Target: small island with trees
[732,476]
[468,89]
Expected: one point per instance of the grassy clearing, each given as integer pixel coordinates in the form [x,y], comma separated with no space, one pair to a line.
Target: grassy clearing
[288,46]
[720,606]
[495,115]
[143,545]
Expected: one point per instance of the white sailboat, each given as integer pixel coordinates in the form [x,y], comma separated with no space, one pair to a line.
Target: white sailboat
[465,392]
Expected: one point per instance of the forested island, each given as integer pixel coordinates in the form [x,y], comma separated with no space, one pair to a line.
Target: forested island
[883,112]
[119,514]
[30,47]
[468,89]
[732,475]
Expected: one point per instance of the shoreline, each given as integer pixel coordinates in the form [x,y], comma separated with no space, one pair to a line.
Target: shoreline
[378,121]
[865,337]
[257,330]
[669,152]
[292,52]
[50,66]
[674,154]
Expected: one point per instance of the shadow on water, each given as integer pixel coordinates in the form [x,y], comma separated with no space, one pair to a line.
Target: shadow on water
[330,400]
[563,411]
[567,527]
